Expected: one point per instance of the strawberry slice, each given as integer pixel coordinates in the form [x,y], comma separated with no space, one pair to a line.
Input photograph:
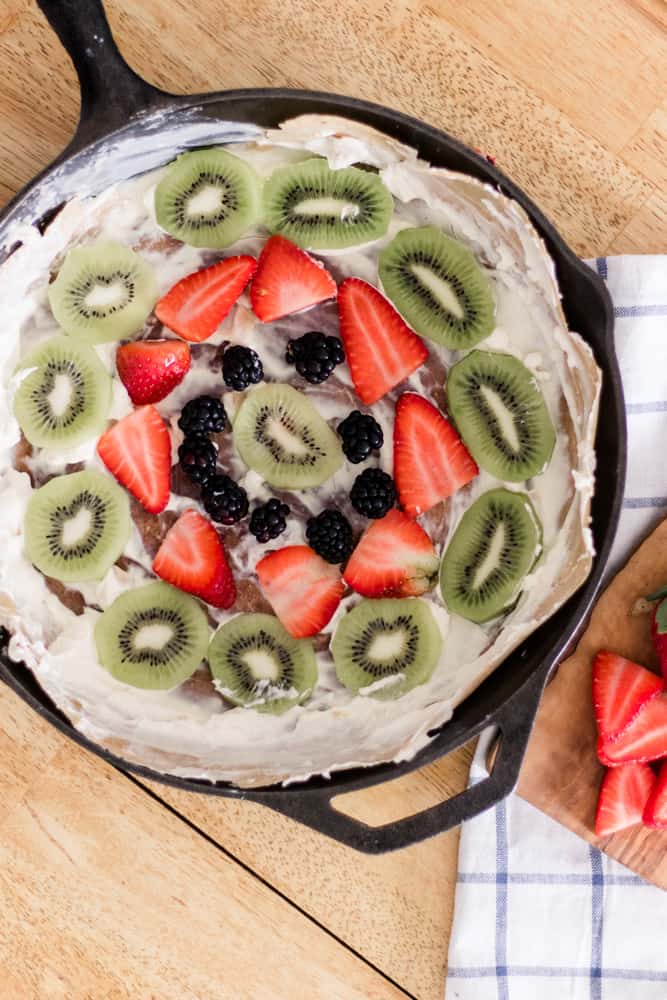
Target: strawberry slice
[623,796]
[287,281]
[303,589]
[196,305]
[430,460]
[137,451]
[150,369]
[394,558]
[645,739]
[381,348]
[659,633]
[193,559]
[620,689]
[655,812]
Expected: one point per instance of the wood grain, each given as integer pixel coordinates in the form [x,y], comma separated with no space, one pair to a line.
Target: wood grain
[561,774]
[568,96]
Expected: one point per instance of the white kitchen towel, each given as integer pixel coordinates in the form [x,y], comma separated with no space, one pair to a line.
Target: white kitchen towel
[540,914]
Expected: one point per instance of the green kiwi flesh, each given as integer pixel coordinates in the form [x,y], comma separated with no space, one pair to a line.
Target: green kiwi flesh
[152,637]
[438,287]
[323,209]
[103,292]
[279,433]
[496,543]
[65,397]
[76,526]
[501,415]
[387,646]
[208,198]
[257,664]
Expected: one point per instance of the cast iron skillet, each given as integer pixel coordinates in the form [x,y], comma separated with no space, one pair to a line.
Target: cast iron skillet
[120,113]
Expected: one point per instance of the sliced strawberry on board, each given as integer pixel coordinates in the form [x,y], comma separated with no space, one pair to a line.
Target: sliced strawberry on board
[303,589]
[430,460]
[380,347]
[624,793]
[659,633]
[192,558]
[150,369]
[655,812]
[620,689]
[394,558]
[196,305]
[288,280]
[645,739]
[137,451]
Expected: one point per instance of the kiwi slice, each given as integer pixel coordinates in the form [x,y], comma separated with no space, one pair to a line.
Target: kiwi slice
[279,433]
[501,415]
[496,542]
[394,644]
[152,637]
[438,287]
[323,209]
[104,291]
[257,664]
[208,198]
[65,398]
[76,526]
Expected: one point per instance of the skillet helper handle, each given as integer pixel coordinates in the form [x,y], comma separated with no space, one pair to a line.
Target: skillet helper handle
[111,92]
[514,720]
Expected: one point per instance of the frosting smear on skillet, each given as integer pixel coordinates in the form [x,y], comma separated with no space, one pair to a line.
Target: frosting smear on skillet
[191,731]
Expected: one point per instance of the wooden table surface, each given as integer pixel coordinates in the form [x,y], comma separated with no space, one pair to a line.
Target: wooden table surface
[111,888]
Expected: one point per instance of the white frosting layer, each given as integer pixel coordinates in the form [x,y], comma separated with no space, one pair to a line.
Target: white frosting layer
[191,731]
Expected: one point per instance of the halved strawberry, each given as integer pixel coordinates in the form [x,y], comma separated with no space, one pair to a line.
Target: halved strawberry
[394,558]
[381,348]
[623,796]
[655,811]
[196,305]
[645,739]
[192,558]
[150,369]
[430,460]
[287,281]
[303,589]
[137,451]
[620,689]
[659,633]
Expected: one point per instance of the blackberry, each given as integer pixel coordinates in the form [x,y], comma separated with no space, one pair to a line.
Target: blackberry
[203,415]
[197,457]
[315,355]
[268,520]
[373,493]
[241,367]
[224,500]
[361,435]
[330,535]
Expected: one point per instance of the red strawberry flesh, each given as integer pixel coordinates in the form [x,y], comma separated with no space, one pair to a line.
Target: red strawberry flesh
[394,558]
[659,633]
[645,739]
[137,451]
[380,347]
[193,559]
[655,811]
[430,460]
[196,306]
[624,793]
[620,689]
[150,369]
[288,280]
[302,588]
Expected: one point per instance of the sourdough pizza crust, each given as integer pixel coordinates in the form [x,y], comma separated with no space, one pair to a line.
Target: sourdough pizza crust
[190,731]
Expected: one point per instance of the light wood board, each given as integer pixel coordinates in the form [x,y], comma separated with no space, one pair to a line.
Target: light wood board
[569,96]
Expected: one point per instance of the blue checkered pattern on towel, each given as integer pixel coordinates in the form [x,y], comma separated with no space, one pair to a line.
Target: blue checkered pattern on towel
[540,914]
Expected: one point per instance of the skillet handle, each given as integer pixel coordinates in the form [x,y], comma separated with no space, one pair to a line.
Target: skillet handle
[111,92]
[313,807]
